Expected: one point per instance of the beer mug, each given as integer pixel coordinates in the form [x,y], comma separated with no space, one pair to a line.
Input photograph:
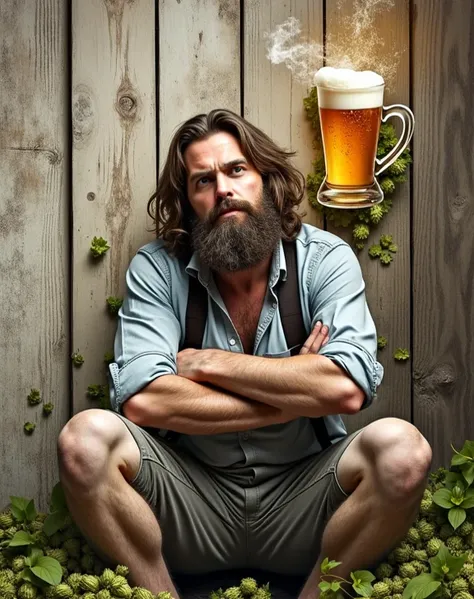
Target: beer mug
[351,110]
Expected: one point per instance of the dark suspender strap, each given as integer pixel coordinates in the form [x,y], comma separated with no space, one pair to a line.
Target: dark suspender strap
[293,324]
[196,315]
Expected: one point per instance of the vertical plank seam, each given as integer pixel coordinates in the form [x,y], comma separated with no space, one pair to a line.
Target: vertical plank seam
[69,187]
[157,88]
[411,227]
[325,220]
[242,57]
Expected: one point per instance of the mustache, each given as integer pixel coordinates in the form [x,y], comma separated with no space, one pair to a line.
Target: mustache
[228,205]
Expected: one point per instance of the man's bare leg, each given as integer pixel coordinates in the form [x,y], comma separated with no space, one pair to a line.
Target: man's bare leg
[389,484]
[97,457]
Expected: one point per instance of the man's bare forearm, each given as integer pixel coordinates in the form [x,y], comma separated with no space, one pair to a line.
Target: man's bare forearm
[308,385]
[178,404]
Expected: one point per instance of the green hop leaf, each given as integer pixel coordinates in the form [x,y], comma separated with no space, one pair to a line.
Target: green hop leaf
[385,257]
[34,397]
[77,359]
[29,427]
[114,304]
[386,241]
[47,408]
[99,247]
[421,586]
[375,251]
[401,354]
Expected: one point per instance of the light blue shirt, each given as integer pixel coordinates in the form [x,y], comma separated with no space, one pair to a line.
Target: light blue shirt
[151,325]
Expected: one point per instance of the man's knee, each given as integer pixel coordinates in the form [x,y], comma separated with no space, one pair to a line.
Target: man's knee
[85,444]
[399,456]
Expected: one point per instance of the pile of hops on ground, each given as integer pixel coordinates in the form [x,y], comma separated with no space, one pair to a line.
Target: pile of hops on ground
[84,574]
[422,542]
[86,577]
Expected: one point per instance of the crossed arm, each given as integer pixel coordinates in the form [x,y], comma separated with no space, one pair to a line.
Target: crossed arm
[220,391]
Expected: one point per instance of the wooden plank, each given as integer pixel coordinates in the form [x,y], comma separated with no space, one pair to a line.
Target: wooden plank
[273,97]
[199,61]
[388,288]
[114,165]
[443,221]
[34,258]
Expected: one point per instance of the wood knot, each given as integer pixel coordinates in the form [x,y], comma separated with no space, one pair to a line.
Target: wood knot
[91,196]
[83,115]
[457,206]
[127,106]
[443,375]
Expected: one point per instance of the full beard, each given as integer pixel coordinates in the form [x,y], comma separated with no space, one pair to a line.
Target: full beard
[232,244]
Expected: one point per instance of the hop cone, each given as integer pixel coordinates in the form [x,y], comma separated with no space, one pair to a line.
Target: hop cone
[248,586]
[74,580]
[233,593]
[122,570]
[402,553]
[73,547]
[90,583]
[120,587]
[463,595]
[413,536]
[466,528]
[106,578]
[384,570]
[455,543]
[141,593]
[103,594]
[27,591]
[18,563]
[62,591]
[6,520]
[380,590]
[407,570]
[398,586]
[459,584]
[433,546]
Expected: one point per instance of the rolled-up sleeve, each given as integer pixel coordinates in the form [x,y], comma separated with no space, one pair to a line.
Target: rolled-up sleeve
[337,292]
[148,331]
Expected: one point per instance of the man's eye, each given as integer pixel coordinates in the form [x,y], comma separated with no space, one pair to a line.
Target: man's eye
[203,181]
[237,169]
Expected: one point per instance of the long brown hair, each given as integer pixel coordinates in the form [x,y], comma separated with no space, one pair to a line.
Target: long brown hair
[169,206]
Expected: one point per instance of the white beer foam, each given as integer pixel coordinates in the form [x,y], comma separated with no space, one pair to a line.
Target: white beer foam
[345,89]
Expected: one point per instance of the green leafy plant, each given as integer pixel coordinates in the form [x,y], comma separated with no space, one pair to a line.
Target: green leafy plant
[47,408]
[77,359]
[394,175]
[109,357]
[114,304]
[34,397]
[381,342]
[361,580]
[29,427]
[99,247]
[401,354]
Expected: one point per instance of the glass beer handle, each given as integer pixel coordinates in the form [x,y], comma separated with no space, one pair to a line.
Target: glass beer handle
[408,120]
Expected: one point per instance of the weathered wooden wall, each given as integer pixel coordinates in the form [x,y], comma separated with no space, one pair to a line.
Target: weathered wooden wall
[91,95]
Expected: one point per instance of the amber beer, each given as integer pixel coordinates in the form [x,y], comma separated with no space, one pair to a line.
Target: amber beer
[350,124]
[350,145]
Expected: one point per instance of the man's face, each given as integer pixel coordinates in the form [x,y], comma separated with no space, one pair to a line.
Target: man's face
[236,224]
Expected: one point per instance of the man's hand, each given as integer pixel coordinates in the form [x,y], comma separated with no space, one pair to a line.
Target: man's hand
[191,362]
[318,338]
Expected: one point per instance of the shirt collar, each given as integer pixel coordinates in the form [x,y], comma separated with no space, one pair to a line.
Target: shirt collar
[197,269]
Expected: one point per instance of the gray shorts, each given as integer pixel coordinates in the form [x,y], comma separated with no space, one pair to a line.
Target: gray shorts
[216,519]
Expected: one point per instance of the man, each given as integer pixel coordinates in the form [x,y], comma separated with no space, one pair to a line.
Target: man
[249,482]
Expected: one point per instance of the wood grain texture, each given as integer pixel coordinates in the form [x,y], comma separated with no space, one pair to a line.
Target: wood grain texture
[443,221]
[273,98]
[114,164]
[387,288]
[199,61]
[34,250]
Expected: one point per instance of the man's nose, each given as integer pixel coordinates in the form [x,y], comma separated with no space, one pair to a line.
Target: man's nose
[223,186]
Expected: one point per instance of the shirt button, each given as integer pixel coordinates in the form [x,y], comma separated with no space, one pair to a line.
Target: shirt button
[232,341]
[274,305]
